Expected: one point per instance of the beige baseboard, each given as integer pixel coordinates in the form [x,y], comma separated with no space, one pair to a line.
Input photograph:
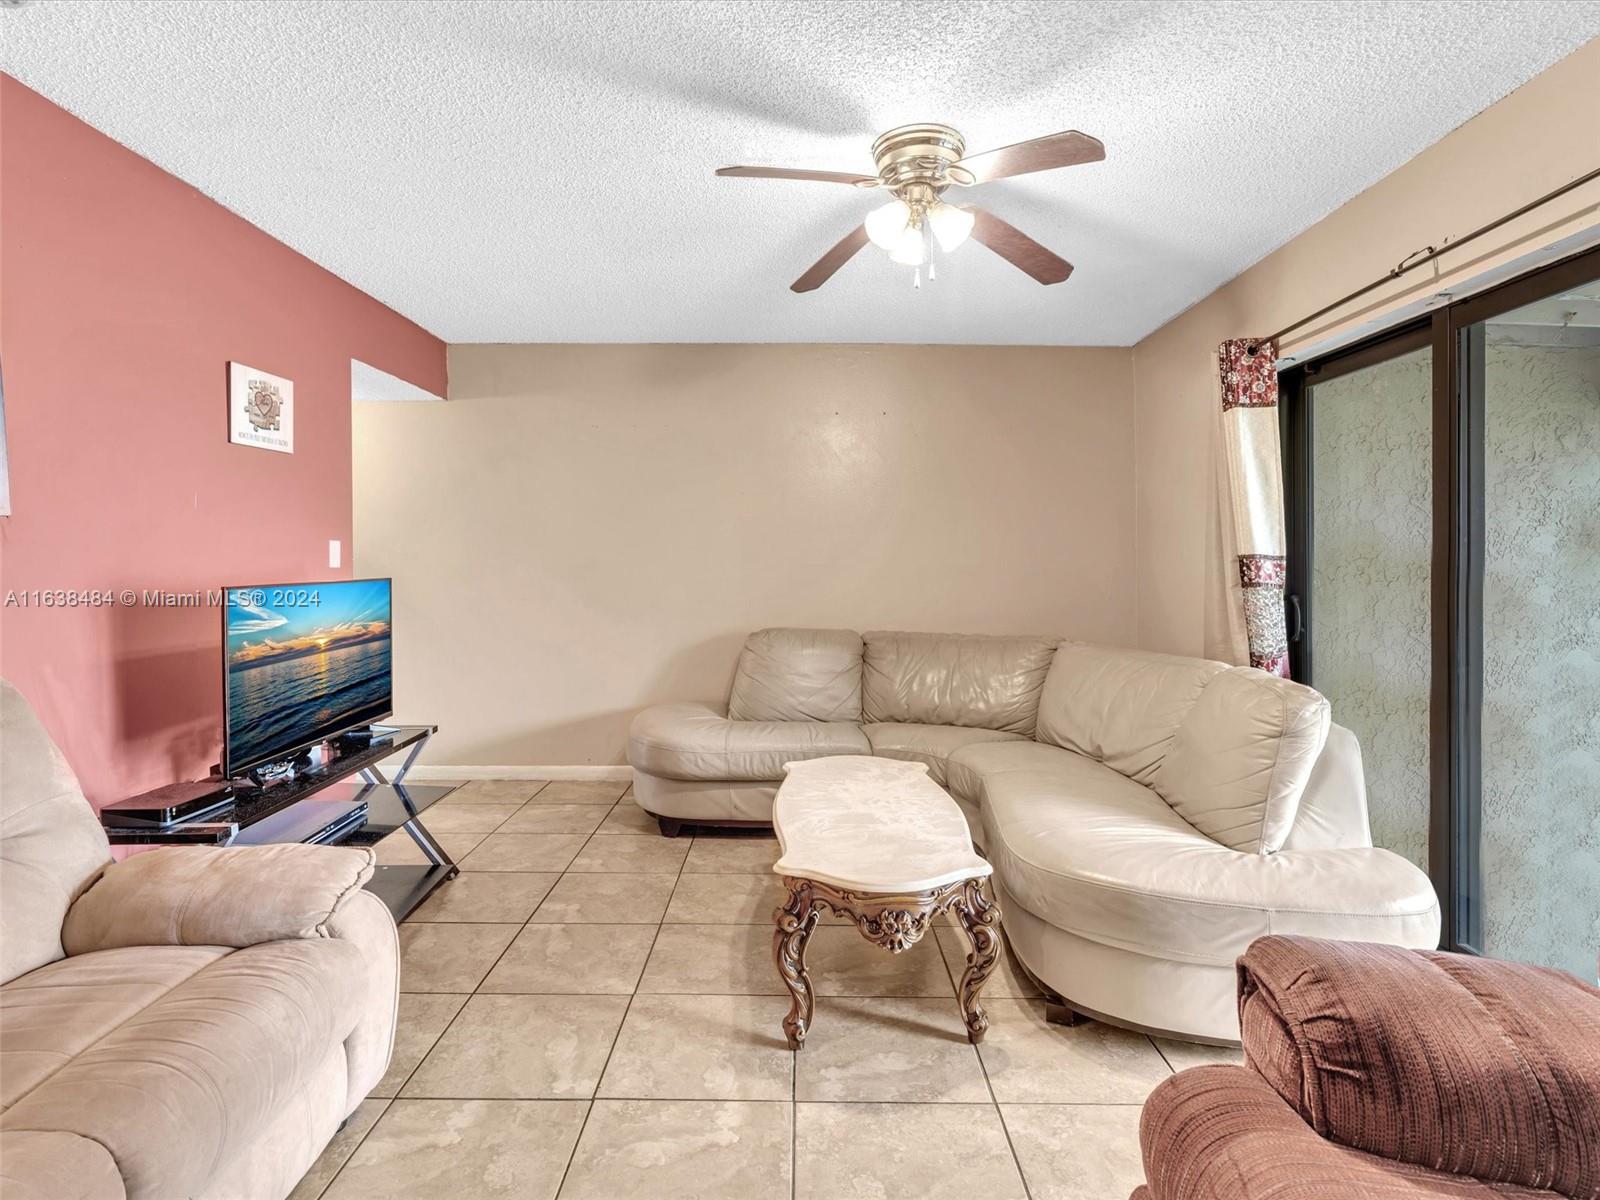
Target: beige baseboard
[422,773]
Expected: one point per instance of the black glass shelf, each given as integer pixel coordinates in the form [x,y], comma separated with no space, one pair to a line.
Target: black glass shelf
[340,798]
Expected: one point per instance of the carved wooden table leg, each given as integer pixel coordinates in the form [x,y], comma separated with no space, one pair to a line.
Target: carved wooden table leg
[795,921]
[981,920]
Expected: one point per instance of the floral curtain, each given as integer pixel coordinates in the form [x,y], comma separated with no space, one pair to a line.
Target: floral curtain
[1250,482]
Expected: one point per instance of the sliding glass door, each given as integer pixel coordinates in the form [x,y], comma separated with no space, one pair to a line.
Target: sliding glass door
[1443,491]
[1534,377]
[1372,529]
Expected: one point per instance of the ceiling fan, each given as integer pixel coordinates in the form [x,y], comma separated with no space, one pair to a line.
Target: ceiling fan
[918,163]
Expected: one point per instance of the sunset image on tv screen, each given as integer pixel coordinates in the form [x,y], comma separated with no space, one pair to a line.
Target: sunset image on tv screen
[304,662]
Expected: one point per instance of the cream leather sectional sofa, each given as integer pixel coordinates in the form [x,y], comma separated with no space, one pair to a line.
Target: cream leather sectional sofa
[190,1022]
[1148,815]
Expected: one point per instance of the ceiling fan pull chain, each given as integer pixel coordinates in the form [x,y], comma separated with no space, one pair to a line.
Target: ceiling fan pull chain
[916,278]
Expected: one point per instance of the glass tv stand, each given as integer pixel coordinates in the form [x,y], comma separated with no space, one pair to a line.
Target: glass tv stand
[342,798]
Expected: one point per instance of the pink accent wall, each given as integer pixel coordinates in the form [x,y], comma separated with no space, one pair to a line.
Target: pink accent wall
[124,293]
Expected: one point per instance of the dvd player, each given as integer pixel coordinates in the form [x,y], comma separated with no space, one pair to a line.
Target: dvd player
[177,803]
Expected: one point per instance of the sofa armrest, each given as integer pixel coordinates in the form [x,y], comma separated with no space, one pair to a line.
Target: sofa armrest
[200,896]
[364,921]
[1453,1062]
[56,1165]
[1222,1133]
[695,741]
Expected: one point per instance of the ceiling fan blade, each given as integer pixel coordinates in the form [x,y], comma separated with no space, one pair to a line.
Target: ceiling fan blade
[1066,149]
[822,270]
[1017,248]
[798,173]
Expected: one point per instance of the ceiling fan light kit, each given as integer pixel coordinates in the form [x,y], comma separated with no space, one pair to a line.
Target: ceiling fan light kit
[918,164]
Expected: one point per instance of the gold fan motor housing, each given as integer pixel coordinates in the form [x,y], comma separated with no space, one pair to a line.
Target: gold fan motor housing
[914,157]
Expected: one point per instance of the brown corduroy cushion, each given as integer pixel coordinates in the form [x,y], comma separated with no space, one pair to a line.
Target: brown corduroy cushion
[1222,1133]
[1456,1063]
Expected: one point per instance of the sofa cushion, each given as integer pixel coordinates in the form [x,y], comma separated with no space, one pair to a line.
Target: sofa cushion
[798,675]
[1121,707]
[693,741]
[966,679]
[51,1015]
[1093,853]
[51,843]
[1240,761]
[1450,1061]
[930,745]
[969,767]
[188,1082]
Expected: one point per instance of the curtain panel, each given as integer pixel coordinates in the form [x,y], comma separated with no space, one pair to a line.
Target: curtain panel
[1250,485]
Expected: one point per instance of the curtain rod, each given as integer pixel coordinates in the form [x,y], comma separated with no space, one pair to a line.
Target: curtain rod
[1418,258]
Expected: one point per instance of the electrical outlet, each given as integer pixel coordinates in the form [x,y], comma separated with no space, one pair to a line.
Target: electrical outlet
[334,556]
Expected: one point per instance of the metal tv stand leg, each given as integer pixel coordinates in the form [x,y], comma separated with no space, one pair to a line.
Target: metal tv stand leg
[425,841]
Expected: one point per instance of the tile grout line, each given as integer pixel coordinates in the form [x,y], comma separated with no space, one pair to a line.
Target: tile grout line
[757,1100]
[401,1086]
[594,1095]
[389,1101]
[1162,1053]
[994,1100]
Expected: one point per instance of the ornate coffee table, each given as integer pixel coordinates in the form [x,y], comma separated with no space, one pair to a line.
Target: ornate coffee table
[877,841]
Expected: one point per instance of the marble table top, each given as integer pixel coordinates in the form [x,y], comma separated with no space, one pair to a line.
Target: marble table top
[871,825]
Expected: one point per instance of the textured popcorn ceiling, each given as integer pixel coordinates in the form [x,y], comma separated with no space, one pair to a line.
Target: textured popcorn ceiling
[543,172]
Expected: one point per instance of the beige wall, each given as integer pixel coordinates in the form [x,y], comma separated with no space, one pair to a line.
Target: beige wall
[1534,140]
[583,530]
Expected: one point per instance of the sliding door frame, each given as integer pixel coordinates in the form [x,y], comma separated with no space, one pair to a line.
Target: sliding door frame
[1456,334]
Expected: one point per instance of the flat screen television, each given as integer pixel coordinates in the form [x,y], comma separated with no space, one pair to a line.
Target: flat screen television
[301,663]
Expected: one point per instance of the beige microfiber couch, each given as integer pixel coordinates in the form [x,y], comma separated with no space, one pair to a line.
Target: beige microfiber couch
[1148,816]
[187,1023]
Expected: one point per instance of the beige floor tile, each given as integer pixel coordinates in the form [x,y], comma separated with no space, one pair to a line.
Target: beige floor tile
[584,791]
[597,898]
[927,1151]
[555,818]
[573,959]
[339,1150]
[521,1048]
[1181,1056]
[483,1149]
[731,900]
[889,1049]
[712,960]
[523,852]
[487,896]
[1033,1062]
[628,817]
[449,957]
[725,900]
[652,855]
[496,791]
[732,855]
[422,1020]
[843,963]
[1009,980]
[702,1048]
[400,849]
[448,817]
[708,1149]
[1076,1151]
